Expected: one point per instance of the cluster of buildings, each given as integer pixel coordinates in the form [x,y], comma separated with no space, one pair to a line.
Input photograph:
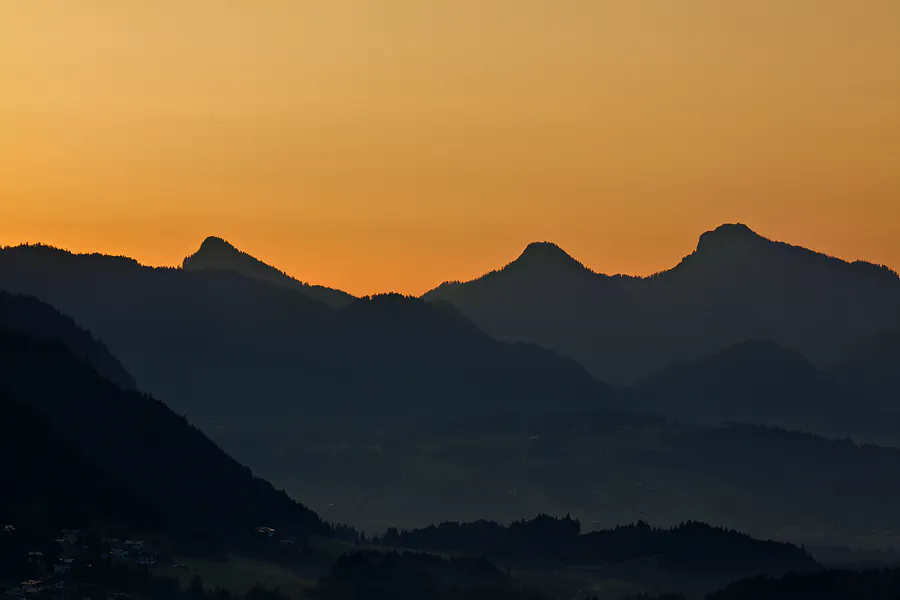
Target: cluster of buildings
[39,589]
[51,576]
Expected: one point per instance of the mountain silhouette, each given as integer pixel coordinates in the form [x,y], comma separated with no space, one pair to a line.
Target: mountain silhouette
[762,382]
[352,398]
[214,342]
[735,237]
[736,286]
[86,450]
[216,253]
[546,255]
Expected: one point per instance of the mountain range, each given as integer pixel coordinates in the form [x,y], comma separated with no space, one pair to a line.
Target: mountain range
[84,448]
[215,342]
[736,286]
[744,329]
[312,386]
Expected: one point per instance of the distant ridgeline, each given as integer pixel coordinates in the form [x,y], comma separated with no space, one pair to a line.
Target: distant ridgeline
[218,342]
[227,332]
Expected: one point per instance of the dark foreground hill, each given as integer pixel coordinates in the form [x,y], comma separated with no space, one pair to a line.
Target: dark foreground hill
[736,286]
[78,449]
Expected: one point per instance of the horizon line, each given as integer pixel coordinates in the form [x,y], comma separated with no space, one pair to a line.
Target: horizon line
[444,282]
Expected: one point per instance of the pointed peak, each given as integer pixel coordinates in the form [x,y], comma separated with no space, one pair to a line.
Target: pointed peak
[218,254]
[728,235]
[213,252]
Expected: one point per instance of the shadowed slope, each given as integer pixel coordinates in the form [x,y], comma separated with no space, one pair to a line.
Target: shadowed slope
[127,456]
[29,315]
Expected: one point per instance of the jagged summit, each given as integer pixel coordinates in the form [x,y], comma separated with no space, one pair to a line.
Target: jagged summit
[729,235]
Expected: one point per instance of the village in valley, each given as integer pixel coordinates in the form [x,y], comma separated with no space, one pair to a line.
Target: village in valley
[60,567]
[112,563]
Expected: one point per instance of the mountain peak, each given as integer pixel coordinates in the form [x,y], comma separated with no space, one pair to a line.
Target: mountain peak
[217,254]
[545,257]
[728,235]
[214,252]
[546,253]
[213,243]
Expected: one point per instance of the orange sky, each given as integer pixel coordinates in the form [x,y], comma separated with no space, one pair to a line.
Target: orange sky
[378,145]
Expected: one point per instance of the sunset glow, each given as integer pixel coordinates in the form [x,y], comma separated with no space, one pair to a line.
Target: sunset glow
[393,144]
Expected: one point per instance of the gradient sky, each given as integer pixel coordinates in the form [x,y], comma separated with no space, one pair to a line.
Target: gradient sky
[378,145]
